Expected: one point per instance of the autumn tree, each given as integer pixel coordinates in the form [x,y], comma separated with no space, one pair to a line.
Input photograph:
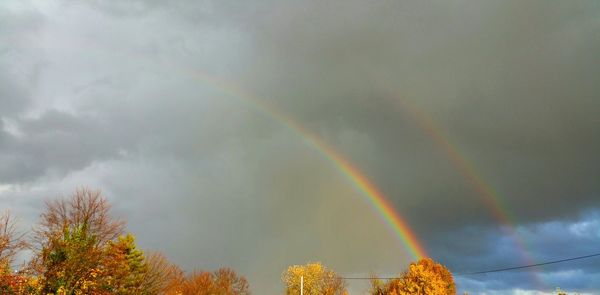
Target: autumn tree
[378,286]
[10,241]
[423,277]
[78,248]
[70,241]
[228,282]
[318,280]
[123,267]
[162,276]
[87,209]
[224,281]
[10,244]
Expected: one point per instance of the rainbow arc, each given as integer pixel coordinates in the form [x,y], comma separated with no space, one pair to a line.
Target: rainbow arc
[359,180]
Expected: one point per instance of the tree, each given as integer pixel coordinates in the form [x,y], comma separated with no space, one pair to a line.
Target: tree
[423,277]
[162,276]
[10,241]
[227,281]
[69,244]
[85,208]
[70,261]
[378,287]
[79,249]
[318,280]
[123,267]
[224,281]
[10,244]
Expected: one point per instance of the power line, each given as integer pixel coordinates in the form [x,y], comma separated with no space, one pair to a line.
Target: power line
[529,265]
[493,270]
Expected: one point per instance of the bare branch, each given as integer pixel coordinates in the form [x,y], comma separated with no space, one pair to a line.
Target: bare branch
[162,275]
[86,209]
[11,242]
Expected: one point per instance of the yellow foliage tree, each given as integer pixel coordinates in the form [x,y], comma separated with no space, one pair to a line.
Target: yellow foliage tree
[318,280]
[422,278]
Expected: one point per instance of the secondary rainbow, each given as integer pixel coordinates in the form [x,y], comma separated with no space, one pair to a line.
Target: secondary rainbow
[397,224]
[459,161]
[490,197]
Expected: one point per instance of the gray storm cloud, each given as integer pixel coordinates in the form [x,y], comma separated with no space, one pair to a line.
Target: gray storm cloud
[102,93]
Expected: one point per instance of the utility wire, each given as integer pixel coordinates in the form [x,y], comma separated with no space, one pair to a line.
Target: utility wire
[493,270]
[528,266]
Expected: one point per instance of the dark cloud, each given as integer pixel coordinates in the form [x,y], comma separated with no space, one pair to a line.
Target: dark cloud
[108,95]
[518,103]
[546,241]
[56,142]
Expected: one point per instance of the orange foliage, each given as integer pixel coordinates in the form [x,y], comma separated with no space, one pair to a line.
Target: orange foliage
[162,276]
[423,277]
[79,249]
[223,281]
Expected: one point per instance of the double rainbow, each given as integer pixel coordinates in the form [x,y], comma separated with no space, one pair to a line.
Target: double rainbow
[375,198]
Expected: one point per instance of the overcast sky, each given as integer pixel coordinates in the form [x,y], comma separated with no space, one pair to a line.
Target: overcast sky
[110,95]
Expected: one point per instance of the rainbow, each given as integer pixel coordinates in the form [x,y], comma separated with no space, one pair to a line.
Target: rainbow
[487,193]
[459,161]
[376,199]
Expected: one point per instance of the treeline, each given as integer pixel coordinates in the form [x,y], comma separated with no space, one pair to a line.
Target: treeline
[421,278]
[77,247]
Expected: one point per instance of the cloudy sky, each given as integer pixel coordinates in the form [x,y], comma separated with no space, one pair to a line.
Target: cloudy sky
[439,103]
